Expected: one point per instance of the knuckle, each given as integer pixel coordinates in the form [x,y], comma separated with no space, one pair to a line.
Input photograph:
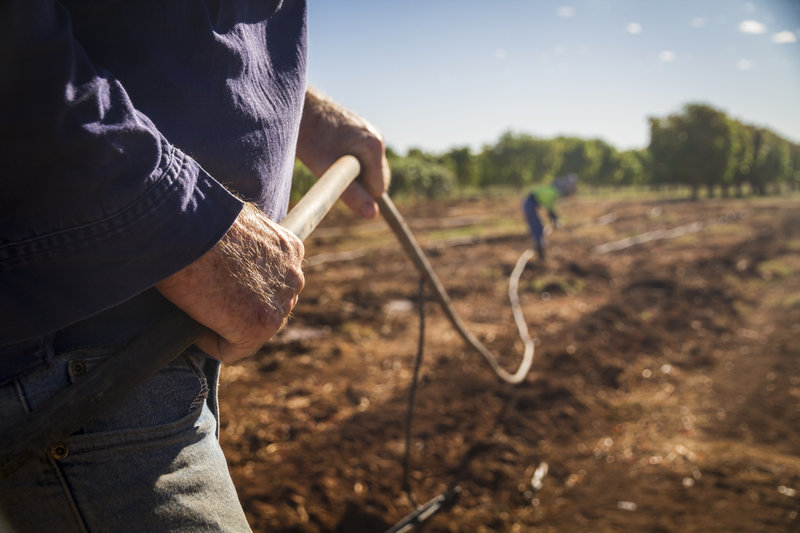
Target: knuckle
[268,322]
[374,142]
[293,285]
[299,248]
[298,281]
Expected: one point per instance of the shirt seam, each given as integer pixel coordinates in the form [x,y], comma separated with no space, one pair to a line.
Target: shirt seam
[60,242]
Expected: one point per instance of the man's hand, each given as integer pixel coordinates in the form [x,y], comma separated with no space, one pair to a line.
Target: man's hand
[329,131]
[243,289]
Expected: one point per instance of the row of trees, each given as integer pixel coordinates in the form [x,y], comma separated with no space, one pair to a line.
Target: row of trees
[698,147]
[703,147]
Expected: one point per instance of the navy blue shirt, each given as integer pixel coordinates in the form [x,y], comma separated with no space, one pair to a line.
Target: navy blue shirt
[131,132]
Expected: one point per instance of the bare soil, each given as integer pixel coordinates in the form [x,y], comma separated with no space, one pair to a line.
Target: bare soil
[664,396]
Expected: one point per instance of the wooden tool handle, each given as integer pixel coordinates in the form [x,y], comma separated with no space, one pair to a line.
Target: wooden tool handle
[73,407]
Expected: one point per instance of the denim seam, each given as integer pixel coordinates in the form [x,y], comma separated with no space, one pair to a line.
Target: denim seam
[73,505]
[200,399]
[87,442]
[182,361]
[202,395]
[213,393]
[21,395]
[134,436]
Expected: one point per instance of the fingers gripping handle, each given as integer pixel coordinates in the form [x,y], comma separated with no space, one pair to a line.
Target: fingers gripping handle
[118,375]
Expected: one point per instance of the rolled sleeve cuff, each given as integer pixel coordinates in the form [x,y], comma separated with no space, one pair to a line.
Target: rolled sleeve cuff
[54,280]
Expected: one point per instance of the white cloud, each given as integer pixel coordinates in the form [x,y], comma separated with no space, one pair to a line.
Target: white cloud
[745,64]
[634,28]
[500,54]
[667,56]
[698,22]
[752,26]
[784,37]
[565,11]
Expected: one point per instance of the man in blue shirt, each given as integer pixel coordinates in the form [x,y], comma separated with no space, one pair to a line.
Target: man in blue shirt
[147,150]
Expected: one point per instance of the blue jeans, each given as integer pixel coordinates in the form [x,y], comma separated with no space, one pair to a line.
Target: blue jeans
[534,223]
[150,463]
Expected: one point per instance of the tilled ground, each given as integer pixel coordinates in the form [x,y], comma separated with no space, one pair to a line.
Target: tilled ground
[665,392]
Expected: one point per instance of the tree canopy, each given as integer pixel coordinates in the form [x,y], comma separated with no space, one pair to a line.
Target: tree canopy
[699,147]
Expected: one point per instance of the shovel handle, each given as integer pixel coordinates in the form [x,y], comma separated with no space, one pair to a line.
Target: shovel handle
[73,407]
[315,204]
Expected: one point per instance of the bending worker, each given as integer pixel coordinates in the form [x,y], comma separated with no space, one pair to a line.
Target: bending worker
[148,147]
[546,196]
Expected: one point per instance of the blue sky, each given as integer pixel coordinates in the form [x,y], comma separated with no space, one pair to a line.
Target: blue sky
[437,74]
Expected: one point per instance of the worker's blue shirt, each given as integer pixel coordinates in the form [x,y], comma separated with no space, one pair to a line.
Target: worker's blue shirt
[131,132]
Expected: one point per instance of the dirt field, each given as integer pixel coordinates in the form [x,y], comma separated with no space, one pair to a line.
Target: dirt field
[664,396]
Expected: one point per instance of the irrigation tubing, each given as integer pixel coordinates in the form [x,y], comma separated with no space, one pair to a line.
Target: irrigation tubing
[415,253]
[73,407]
[412,391]
[447,499]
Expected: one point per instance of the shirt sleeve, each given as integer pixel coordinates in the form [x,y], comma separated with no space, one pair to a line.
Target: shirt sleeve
[95,204]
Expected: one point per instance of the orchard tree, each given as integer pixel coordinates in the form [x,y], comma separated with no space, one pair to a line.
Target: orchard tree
[741,161]
[517,160]
[665,138]
[507,162]
[771,162]
[609,165]
[634,168]
[578,156]
[463,164]
[794,161]
[420,175]
[692,147]
[707,145]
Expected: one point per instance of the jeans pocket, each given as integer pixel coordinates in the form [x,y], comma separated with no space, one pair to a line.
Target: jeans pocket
[167,402]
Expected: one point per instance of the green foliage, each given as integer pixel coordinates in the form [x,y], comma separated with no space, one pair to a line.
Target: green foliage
[511,162]
[696,147]
[634,168]
[609,163]
[691,148]
[742,149]
[519,160]
[302,180]
[771,161]
[794,163]
[420,174]
[463,164]
[578,156]
[707,146]
[701,146]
